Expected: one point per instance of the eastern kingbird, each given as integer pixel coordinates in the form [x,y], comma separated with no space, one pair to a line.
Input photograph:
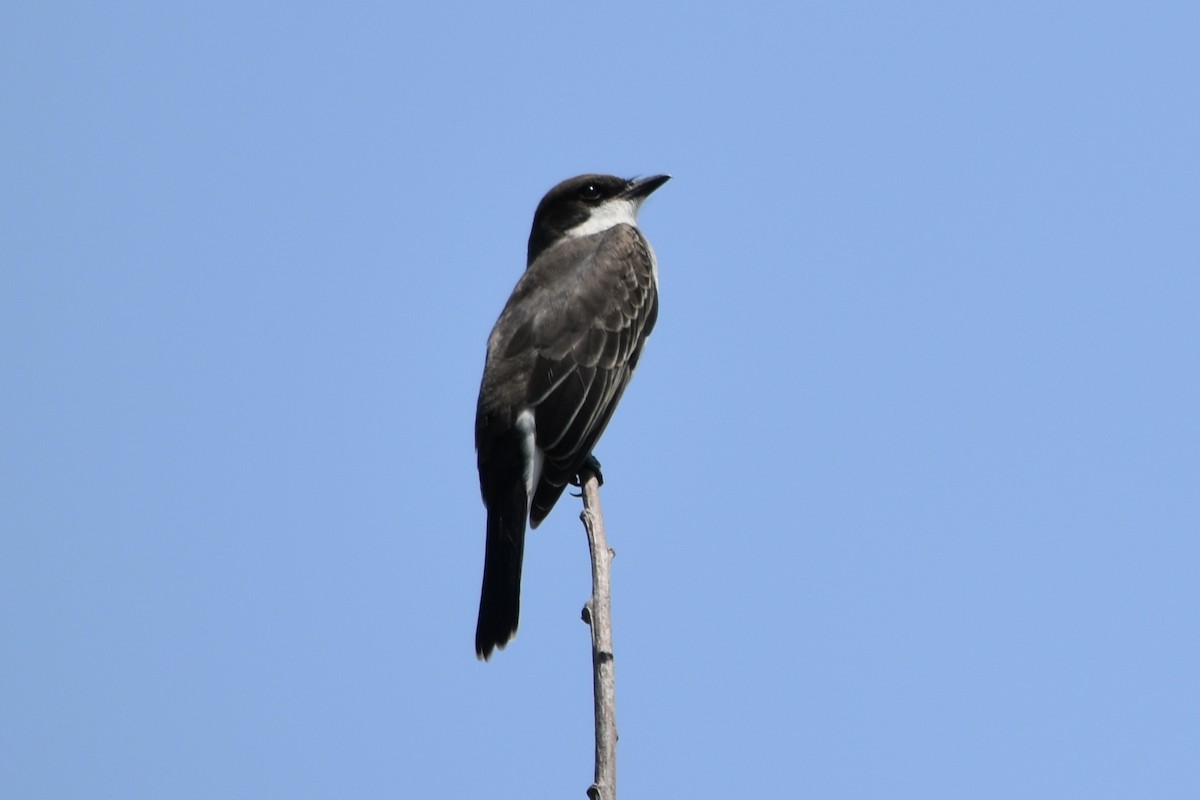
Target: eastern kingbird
[558,360]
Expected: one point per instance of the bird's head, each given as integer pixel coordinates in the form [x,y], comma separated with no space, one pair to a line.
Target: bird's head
[588,204]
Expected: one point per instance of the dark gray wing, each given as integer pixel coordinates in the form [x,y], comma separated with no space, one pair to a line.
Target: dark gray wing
[587,341]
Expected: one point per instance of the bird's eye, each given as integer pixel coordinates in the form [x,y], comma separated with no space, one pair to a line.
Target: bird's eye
[590,192]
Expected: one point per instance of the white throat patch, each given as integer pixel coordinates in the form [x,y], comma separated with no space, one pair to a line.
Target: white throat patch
[607,215]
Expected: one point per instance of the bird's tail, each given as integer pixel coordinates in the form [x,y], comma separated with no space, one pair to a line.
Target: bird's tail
[500,600]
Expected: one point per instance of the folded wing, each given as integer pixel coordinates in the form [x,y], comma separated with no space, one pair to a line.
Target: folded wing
[586,342]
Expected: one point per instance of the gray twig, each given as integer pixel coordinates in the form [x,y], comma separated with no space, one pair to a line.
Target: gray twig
[597,612]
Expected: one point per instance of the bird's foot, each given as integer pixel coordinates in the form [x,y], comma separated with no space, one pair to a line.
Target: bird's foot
[590,467]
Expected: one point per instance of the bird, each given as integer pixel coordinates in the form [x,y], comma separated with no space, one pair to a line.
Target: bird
[558,360]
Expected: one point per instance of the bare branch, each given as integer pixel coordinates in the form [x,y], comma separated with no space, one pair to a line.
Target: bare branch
[597,612]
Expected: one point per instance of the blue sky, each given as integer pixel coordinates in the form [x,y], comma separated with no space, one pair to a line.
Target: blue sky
[904,495]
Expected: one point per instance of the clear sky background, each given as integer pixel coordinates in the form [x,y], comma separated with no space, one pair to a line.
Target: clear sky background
[905,494]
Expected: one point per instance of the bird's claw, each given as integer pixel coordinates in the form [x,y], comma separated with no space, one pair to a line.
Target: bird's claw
[590,467]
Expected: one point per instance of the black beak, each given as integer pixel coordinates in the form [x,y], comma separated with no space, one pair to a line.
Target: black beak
[640,188]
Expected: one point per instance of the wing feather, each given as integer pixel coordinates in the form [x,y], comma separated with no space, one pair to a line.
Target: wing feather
[605,322]
[566,345]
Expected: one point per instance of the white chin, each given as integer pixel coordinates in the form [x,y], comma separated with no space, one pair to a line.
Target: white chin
[607,215]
